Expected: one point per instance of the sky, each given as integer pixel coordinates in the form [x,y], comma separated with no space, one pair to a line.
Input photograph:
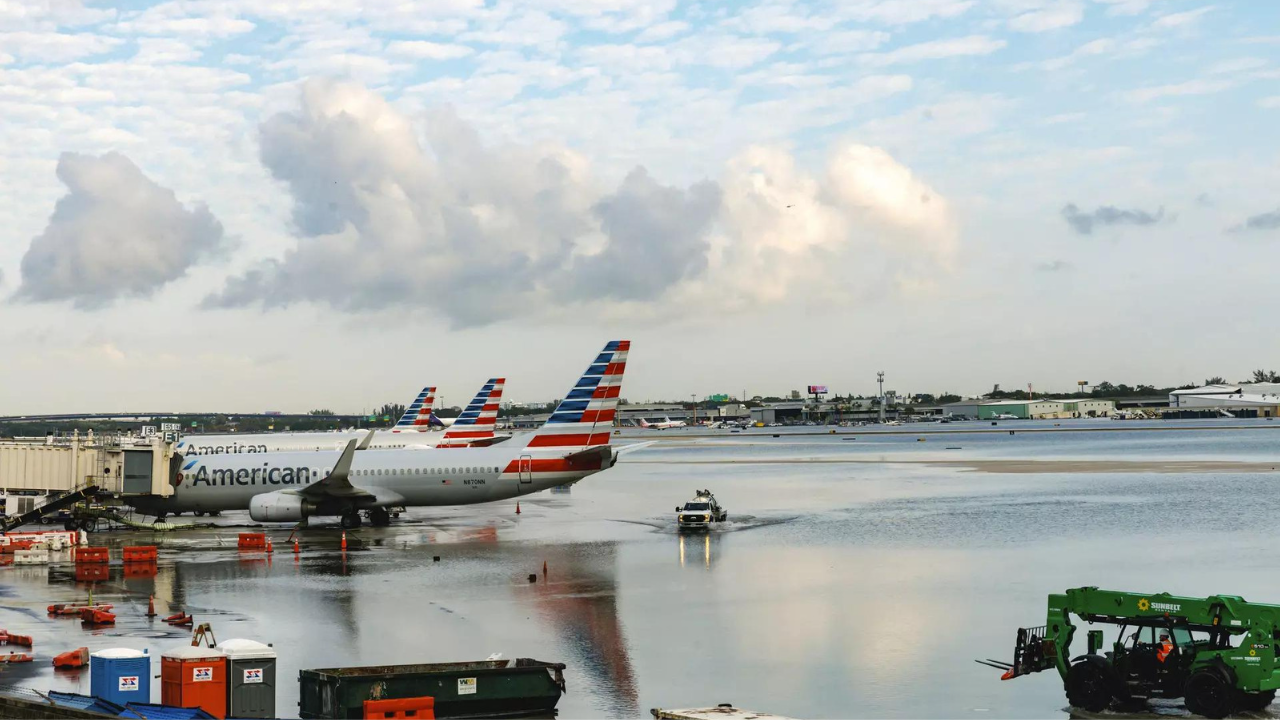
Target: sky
[251,205]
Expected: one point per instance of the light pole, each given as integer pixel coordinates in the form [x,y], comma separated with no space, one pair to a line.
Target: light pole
[880,379]
[693,400]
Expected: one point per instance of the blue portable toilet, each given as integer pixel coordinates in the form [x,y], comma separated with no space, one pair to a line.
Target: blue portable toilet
[120,675]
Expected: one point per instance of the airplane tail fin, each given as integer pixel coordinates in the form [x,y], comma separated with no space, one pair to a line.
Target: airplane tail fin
[644,423]
[477,421]
[417,416]
[584,419]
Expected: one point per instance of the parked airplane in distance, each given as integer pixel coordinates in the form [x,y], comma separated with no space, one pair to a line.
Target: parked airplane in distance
[665,424]
[411,431]
[293,486]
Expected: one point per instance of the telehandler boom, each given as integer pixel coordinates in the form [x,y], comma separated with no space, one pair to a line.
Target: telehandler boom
[1218,653]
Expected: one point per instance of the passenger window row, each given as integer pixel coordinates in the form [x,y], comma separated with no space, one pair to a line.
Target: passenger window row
[425,471]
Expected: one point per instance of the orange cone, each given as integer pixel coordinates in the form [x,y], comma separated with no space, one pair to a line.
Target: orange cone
[517,507]
[344,539]
[151,607]
[269,548]
[544,568]
[295,546]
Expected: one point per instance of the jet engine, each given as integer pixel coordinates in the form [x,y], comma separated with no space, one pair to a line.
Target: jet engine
[279,507]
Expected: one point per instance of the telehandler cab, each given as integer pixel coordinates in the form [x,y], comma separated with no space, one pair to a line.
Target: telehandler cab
[1218,653]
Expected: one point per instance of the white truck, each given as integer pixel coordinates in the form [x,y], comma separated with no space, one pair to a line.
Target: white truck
[700,512]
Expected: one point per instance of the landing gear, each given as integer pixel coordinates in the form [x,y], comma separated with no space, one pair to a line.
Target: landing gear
[351,520]
[379,517]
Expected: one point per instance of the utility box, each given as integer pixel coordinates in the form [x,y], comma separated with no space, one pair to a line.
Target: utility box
[194,677]
[120,675]
[251,684]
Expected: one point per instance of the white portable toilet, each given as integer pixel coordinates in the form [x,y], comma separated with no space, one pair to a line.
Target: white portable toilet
[251,680]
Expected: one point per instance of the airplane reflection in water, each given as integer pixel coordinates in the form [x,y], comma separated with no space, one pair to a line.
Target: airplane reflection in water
[693,548]
[579,596]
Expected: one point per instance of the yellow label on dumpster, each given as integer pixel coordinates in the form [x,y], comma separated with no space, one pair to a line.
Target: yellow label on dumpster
[466,686]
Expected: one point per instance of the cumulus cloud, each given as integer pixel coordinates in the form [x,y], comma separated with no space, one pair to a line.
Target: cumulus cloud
[115,234]
[1263,221]
[389,212]
[1085,222]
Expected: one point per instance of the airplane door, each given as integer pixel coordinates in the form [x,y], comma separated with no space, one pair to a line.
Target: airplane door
[526,468]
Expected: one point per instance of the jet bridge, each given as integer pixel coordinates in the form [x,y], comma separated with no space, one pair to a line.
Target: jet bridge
[37,471]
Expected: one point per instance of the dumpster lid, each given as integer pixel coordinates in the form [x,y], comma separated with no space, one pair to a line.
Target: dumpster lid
[246,649]
[118,653]
[191,652]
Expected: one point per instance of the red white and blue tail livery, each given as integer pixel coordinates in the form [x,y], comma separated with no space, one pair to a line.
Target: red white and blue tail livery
[584,419]
[417,416]
[476,423]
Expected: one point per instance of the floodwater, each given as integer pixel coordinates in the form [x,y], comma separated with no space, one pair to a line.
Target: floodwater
[860,574]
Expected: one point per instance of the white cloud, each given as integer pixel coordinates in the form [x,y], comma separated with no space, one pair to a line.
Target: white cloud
[936,50]
[1190,87]
[55,47]
[1270,102]
[901,12]
[663,31]
[376,212]
[839,42]
[165,50]
[115,234]
[1126,7]
[1236,66]
[195,20]
[424,50]
[1054,16]
[1182,19]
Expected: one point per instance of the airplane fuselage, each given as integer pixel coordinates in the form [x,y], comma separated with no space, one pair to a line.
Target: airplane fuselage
[300,441]
[391,478]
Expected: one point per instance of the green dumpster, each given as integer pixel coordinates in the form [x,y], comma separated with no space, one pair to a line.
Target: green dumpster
[490,688]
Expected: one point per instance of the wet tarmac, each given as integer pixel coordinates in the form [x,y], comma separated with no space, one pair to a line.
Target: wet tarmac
[855,577]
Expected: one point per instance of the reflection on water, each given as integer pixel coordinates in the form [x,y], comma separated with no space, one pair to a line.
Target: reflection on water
[701,541]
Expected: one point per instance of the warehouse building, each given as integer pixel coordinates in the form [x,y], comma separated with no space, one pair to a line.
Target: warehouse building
[1027,409]
[1089,407]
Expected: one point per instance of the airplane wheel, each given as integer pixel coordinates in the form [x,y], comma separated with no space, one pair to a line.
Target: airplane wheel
[379,517]
[350,521]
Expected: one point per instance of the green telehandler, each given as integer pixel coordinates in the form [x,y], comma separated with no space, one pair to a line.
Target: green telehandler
[1218,653]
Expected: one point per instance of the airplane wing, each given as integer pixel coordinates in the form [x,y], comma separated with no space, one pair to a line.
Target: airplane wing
[338,482]
[624,449]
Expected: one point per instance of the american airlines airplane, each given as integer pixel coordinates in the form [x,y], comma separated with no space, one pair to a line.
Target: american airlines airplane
[475,426]
[292,486]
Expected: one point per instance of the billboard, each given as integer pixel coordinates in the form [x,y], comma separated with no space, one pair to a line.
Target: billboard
[817,389]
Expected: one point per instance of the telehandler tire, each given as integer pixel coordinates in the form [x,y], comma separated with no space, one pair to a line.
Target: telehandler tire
[1209,694]
[1089,685]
